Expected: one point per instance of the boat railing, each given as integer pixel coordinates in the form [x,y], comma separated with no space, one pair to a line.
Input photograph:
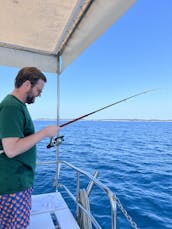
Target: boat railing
[113,199]
[76,198]
[93,181]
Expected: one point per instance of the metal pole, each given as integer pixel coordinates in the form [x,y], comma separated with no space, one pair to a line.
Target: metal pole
[58,118]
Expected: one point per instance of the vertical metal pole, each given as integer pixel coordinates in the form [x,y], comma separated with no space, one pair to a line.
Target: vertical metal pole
[113,211]
[58,118]
[77,193]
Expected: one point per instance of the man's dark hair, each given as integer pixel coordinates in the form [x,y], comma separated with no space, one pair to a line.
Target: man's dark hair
[29,73]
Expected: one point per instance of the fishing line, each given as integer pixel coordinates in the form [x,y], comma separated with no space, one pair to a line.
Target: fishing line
[59,139]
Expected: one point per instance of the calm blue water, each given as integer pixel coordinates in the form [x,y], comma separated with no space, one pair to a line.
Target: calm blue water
[134,160]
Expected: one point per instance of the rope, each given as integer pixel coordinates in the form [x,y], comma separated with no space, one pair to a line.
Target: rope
[83,220]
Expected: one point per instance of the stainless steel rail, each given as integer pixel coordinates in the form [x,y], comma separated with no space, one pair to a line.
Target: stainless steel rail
[113,199]
[108,192]
[93,181]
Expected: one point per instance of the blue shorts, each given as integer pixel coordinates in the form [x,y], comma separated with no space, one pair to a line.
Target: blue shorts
[15,210]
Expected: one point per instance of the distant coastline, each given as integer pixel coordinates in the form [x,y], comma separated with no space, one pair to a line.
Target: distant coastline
[108,120]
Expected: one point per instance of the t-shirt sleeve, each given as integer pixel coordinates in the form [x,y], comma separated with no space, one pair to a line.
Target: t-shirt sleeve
[12,122]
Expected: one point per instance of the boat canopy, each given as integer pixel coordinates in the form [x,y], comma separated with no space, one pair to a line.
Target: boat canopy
[36,33]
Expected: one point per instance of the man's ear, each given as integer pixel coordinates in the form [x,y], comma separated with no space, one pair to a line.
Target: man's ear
[27,85]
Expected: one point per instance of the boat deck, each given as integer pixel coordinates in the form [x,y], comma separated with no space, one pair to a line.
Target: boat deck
[50,211]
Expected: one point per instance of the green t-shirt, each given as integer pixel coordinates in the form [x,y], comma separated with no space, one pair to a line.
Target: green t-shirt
[17,173]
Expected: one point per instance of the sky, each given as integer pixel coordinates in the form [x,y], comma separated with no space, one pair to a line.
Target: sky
[133,55]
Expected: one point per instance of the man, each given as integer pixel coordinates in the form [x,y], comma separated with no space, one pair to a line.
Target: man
[17,148]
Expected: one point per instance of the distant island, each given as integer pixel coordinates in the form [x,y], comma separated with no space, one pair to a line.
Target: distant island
[113,120]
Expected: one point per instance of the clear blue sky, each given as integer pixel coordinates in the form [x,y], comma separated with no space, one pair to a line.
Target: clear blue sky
[134,55]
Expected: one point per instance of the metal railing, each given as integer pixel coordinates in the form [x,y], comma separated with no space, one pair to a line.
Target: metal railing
[93,181]
[113,199]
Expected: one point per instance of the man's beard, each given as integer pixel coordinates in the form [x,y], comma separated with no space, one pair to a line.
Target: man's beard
[30,98]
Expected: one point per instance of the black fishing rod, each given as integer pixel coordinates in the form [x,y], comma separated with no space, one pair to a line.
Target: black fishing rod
[59,139]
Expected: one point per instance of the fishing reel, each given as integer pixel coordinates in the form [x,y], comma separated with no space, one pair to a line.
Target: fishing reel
[55,141]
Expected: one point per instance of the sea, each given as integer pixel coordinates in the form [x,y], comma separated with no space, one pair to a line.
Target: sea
[133,158]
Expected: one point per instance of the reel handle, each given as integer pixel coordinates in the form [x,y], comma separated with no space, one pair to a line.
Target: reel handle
[55,141]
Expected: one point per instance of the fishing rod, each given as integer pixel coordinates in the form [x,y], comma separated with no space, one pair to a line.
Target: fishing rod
[59,139]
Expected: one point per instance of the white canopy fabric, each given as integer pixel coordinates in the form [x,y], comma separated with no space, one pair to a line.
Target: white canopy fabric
[36,32]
